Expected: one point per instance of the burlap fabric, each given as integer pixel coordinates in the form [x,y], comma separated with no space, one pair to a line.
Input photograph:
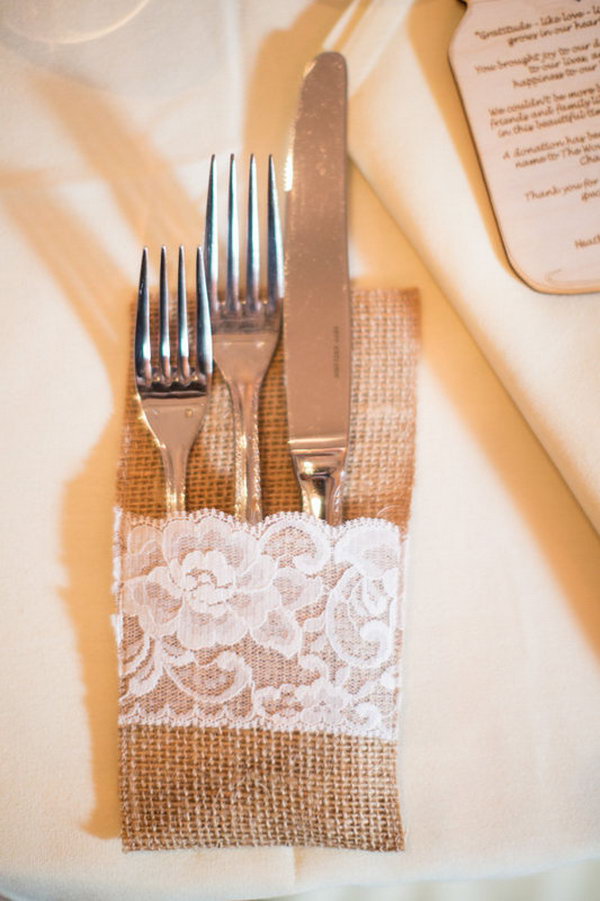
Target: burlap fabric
[192,786]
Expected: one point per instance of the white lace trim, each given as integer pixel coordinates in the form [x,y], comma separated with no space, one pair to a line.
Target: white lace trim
[290,624]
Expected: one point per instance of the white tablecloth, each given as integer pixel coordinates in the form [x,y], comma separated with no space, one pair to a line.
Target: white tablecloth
[109,116]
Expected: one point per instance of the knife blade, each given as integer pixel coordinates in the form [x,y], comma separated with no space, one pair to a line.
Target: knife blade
[317,351]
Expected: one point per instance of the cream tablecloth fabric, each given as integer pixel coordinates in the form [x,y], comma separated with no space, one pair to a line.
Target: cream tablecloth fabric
[109,115]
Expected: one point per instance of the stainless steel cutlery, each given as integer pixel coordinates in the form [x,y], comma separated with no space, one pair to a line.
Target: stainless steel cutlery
[173,389]
[317,305]
[245,328]
[241,324]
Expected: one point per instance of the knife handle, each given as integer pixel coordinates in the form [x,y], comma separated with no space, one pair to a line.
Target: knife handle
[320,476]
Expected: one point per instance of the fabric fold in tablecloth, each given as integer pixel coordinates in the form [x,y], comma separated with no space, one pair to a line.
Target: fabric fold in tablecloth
[409,137]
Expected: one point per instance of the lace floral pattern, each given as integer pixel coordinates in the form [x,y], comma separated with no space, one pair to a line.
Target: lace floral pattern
[291,624]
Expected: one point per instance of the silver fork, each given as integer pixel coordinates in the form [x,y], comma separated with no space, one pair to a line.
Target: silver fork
[173,395]
[245,332]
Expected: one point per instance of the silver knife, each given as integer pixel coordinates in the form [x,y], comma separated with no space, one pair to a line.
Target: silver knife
[317,305]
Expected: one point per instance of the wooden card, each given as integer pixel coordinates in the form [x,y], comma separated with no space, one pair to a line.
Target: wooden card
[529,75]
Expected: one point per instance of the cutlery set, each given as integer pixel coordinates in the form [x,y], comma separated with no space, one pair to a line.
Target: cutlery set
[239,330]
[259,656]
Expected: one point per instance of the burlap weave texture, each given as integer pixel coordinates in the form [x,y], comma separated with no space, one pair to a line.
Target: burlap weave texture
[192,787]
[385,334]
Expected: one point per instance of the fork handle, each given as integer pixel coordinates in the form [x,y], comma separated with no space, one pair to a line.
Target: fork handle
[248,505]
[175,464]
[174,422]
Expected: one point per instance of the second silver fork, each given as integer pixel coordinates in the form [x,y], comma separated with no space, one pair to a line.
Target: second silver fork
[245,331]
[173,394]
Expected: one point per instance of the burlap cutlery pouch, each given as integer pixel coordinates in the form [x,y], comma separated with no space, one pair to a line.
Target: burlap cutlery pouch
[260,666]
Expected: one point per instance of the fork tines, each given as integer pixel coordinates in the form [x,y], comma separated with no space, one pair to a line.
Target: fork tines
[158,373]
[252,302]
